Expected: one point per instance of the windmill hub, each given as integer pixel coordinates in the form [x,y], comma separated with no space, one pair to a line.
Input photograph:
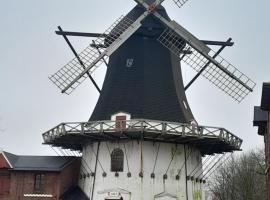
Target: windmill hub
[142,141]
[150,26]
[152,8]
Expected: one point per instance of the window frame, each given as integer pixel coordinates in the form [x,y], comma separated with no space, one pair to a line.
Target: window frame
[117,160]
[39,183]
[120,122]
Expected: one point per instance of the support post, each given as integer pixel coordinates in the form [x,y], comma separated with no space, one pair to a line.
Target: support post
[94,181]
[79,59]
[185,150]
[80,34]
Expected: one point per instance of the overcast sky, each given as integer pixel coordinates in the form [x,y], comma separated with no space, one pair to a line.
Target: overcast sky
[30,51]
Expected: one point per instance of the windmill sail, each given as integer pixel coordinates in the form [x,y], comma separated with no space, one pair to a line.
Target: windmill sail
[91,57]
[176,38]
[180,3]
[219,71]
[69,77]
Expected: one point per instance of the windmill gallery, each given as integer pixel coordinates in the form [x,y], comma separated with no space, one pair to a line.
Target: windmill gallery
[142,141]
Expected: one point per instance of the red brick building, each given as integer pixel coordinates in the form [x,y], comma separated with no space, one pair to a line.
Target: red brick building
[262,121]
[38,177]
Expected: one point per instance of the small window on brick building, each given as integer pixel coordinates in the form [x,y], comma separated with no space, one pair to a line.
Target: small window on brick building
[39,183]
[121,122]
[117,160]
[4,184]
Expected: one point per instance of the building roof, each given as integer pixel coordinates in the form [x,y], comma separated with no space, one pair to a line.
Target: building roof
[265,101]
[38,163]
[260,112]
[260,119]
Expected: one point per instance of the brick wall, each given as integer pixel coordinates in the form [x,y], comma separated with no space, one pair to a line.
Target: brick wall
[3,162]
[69,176]
[55,183]
[23,183]
[4,184]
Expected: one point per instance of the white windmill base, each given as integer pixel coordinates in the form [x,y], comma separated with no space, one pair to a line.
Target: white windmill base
[148,158]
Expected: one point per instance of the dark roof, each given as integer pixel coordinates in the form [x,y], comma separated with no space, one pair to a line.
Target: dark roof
[11,158]
[38,163]
[265,102]
[74,193]
[152,87]
[260,119]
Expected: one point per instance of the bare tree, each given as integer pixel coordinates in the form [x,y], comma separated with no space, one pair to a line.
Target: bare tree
[241,177]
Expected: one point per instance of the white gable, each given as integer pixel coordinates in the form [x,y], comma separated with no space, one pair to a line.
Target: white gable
[120,113]
[165,196]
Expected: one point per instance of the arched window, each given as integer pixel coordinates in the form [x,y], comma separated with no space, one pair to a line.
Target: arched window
[117,160]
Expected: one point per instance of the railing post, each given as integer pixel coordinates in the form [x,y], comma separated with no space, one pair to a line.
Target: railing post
[164,127]
[183,130]
[200,130]
[45,137]
[142,126]
[229,138]
[82,128]
[221,134]
[101,127]
[193,129]
[63,128]
[234,141]
[57,131]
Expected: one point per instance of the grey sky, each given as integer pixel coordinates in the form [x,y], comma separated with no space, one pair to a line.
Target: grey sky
[30,51]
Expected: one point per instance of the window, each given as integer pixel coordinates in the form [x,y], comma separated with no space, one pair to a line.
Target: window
[39,183]
[4,184]
[117,160]
[120,122]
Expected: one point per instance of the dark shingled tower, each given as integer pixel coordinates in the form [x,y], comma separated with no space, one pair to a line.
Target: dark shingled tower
[144,78]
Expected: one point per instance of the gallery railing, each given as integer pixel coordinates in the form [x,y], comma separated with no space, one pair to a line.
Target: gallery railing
[143,126]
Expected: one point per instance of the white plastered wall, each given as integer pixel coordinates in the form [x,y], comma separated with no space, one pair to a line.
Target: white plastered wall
[139,157]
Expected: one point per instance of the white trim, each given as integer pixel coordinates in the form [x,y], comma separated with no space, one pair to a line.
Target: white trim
[120,113]
[3,153]
[165,194]
[185,104]
[39,195]
[120,190]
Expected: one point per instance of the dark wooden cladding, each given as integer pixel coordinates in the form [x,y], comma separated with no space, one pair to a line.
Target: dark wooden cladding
[144,78]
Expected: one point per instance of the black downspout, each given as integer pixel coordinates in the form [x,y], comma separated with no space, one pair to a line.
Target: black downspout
[186,170]
[93,186]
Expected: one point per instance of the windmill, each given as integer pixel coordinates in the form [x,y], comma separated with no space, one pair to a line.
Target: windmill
[142,125]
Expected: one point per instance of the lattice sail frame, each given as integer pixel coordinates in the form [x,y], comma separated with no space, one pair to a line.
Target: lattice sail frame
[63,77]
[171,40]
[180,3]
